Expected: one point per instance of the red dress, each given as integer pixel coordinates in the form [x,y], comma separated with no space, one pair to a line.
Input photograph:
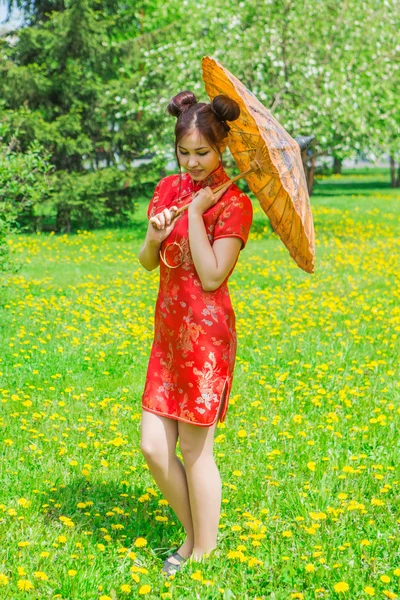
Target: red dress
[194,349]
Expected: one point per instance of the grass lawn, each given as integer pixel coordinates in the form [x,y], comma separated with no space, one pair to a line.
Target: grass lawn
[309,451]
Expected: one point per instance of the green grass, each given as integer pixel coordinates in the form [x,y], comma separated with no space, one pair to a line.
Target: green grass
[309,451]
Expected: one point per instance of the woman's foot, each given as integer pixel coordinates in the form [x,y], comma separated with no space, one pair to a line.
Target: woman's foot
[199,555]
[174,562]
[186,549]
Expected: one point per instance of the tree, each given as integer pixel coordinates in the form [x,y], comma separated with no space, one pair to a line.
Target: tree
[312,63]
[64,83]
[24,180]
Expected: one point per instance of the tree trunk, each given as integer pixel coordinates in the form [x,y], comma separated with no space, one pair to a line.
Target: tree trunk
[392,172]
[337,165]
[311,172]
[398,175]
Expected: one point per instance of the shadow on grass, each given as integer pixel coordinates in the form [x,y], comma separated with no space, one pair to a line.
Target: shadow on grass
[347,188]
[99,517]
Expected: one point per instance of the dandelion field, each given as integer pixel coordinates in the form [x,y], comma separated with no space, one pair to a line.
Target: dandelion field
[308,454]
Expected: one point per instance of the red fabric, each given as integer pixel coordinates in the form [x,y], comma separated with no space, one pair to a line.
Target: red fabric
[194,349]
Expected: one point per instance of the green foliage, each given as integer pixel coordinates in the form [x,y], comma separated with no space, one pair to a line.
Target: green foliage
[88,200]
[63,84]
[330,69]
[24,181]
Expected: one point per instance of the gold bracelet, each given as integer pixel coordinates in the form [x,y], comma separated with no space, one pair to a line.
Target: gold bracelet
[163,258]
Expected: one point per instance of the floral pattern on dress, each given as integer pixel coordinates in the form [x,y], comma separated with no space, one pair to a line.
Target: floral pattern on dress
[193,353]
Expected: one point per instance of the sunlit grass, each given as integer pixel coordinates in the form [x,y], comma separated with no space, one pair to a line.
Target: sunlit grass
[308,454]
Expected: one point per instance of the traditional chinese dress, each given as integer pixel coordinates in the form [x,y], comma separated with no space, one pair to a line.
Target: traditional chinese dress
[192,358]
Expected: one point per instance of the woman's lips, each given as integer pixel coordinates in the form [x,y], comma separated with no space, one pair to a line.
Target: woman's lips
[196,171]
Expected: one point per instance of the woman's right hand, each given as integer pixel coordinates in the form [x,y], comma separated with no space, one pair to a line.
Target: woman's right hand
[161,225]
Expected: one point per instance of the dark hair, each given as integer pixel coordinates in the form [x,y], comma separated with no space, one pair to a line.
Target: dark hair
[209,118]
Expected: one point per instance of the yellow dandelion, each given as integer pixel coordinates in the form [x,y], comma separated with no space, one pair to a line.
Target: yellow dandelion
[23,544]
[390,594]
[365,543]
[318,516]
[61,539]
[377,502]
[24,502]
[369,590]
[140,542]
[196,576]
[311,465]
[237,554]
[287,534]
[310,568]
[145,589]
[396,572]
[125,588]
[242,433]
[237,473]
[384,578]
[342,586]
[135,577]
[72,572]
[3,579]
[105,598]
[254,561]
[44,554]
[40,575]
[298,595]
[25,585]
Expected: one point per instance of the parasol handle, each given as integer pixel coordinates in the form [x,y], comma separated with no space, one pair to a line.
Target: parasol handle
[221,185]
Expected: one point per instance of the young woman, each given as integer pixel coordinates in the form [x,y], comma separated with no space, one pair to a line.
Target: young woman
[191,364]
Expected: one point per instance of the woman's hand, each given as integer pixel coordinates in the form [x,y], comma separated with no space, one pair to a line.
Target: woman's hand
[161,225]
[205,198]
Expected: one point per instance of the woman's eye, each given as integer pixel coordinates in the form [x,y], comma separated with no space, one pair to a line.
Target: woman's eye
[199,153]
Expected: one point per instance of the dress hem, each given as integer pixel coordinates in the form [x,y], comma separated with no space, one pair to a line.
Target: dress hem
[222,413]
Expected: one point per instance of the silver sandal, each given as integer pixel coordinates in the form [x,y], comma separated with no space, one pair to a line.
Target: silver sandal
[169,568]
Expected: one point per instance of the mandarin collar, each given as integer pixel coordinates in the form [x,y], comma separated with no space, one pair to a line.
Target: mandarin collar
[213,179]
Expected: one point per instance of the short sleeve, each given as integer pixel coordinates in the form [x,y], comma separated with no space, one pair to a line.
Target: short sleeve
[236,219]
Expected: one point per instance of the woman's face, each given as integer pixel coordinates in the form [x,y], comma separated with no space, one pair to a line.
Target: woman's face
[196,155]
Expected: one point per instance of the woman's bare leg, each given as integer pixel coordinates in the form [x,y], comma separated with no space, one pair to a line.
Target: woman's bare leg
[158,442]
[204,482]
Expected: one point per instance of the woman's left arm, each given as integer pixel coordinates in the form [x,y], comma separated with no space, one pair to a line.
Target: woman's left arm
[212,263]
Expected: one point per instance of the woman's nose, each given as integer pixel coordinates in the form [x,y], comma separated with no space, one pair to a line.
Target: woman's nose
[192,162]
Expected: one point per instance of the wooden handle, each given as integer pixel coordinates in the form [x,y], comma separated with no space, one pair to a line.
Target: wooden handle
[216,189]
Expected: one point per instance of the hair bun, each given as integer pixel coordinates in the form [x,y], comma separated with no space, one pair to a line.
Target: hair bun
[181,102]
[225,108]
